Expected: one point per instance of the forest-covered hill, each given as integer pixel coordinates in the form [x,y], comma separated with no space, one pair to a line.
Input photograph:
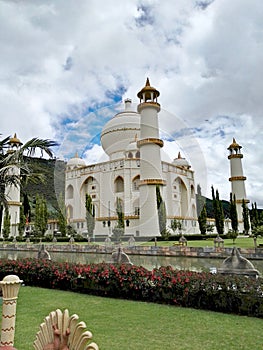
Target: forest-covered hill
[53,171]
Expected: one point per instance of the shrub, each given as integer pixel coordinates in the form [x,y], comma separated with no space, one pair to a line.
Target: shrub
[230,294]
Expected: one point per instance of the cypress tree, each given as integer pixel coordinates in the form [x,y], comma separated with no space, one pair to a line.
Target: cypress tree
[7,224]
[90,215]
[120,214]
[161,213]
[41,215]
[202,220]
[233,213]
[218,212]
[245,214]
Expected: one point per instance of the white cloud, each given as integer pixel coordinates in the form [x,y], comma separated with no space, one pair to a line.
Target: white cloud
[59,59]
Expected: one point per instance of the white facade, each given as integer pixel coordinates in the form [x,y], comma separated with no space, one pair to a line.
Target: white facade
[131,141]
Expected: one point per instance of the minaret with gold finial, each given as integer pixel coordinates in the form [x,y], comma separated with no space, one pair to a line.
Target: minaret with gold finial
[237,178]
[12,192]
[150,162]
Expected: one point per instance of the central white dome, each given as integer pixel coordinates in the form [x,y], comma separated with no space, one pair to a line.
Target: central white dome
[120,131]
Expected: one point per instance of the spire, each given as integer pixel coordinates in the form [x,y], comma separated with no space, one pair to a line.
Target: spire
[148,93]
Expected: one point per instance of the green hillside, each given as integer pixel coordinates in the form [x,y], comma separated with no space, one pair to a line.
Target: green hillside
[53,171]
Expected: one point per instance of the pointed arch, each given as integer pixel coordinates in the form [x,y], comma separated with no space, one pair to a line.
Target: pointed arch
[69,192]
[180,197]
[119,184]
[135,183]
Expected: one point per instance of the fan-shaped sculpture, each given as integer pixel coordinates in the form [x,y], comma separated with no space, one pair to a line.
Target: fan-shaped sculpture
[59,331]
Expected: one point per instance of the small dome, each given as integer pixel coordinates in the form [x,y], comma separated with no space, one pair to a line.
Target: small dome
[179,161]
[76,162]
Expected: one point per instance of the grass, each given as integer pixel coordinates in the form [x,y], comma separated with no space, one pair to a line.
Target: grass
[121,324]
[240,242]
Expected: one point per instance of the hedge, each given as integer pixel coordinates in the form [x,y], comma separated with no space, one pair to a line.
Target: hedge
[229,294]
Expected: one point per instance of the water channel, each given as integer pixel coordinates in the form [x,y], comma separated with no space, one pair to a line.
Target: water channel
[148,261]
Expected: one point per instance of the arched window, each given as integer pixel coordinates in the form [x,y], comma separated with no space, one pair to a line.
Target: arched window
[119,184]
[135,183]
[130,155]
[69,192]
[137,155]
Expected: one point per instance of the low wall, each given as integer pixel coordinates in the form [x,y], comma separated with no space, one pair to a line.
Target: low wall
[202,252]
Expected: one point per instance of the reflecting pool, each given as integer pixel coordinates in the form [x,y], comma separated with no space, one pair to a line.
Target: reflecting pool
[148,261]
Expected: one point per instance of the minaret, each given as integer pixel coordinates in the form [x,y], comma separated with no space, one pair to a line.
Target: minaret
[12,192]
[237,178]
[150,163]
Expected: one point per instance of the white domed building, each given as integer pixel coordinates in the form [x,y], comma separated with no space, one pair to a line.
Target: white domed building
[133,170]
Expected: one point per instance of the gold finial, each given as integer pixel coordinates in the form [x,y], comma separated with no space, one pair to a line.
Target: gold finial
[234,145]
[15,140]
[148,92]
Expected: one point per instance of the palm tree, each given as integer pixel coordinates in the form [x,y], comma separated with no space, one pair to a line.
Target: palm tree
[13,154]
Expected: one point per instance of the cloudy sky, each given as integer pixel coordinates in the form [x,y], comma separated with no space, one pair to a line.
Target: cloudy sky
[67,65]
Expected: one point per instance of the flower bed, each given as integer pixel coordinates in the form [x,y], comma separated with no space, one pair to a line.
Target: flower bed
[231,294]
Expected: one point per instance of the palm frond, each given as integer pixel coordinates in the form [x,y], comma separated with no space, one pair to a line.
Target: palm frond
[31,146]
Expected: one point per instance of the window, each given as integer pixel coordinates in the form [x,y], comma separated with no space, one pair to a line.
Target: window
[136,211]
[135,183]
[119,184]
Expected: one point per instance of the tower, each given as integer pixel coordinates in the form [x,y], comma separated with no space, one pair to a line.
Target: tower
[150,159]
[237,178]
[12,192]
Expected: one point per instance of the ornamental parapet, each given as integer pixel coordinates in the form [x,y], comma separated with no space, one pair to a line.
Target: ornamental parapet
[238,155]
[150,140]
[151,104]
[237,178]
[152,182]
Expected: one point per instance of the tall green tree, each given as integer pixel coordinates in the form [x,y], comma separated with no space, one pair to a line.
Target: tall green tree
[218,212]
[202,220]
[22,222]
[245,214]
[254,218]
[7,225]
[161,208]
[233,213]
[90,215]
[61,213]
[120,213]
[41,215]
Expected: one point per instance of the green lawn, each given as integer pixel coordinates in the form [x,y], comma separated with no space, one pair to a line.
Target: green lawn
[128,325]
[240,242]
